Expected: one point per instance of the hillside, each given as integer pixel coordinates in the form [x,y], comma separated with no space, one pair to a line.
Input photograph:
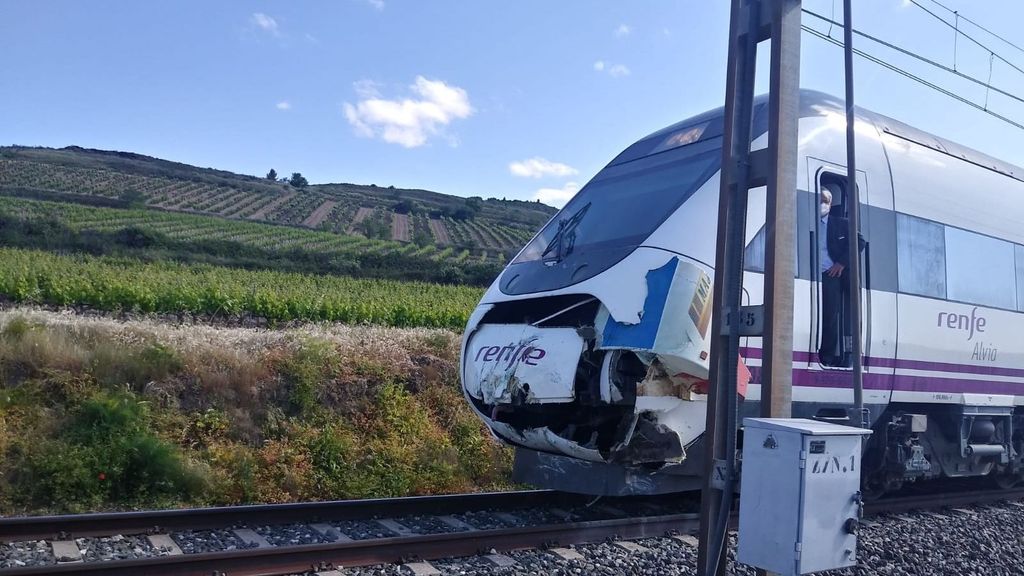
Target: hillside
[490,230]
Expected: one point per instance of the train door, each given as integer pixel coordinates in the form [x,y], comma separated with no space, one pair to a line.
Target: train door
[830,342]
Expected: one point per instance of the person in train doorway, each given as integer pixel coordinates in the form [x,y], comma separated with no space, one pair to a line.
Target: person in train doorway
[835,281]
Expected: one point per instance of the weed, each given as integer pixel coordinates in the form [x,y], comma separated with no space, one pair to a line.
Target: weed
[305,370]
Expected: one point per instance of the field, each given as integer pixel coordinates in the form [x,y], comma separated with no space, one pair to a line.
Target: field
[155,235]
[487,229]
[114,284]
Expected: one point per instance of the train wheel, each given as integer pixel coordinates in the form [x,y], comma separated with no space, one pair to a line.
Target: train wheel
[872,490]
[1005,481]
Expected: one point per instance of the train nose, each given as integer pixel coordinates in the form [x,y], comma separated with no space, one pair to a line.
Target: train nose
[522,364]
[588,385]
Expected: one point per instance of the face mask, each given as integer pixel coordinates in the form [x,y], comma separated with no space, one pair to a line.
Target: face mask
[824,209]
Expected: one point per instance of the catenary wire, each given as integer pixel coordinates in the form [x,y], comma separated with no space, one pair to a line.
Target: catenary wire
[914,77]
[928,61]
[978,26]
[968,36]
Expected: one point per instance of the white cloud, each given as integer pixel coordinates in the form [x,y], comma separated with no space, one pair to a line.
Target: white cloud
[538,167]
[366,89]
[557,197]
[378,4]
[623,30]
[408,122]
[265,23]
[618,71]
[613,70]
[284,105]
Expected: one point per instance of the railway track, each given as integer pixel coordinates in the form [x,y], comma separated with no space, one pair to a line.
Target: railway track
[576,521]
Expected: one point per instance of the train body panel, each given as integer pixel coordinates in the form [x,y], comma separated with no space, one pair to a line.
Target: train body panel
[590,351]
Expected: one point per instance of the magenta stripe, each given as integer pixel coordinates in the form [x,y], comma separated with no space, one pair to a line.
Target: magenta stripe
[902,383]
[897,363]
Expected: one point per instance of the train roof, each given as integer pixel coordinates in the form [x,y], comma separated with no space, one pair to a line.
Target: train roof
[814,103]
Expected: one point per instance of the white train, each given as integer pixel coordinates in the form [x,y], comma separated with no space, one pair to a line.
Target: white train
[589,352]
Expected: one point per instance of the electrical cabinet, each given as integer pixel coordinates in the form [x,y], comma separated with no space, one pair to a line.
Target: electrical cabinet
[799,495]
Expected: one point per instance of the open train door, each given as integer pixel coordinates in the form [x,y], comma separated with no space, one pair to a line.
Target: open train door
[878,302]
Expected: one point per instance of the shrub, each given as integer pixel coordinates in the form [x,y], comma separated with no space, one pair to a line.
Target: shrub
[106,455]
[305,372]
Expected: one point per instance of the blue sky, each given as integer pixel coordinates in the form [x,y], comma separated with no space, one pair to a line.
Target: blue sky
[524,99]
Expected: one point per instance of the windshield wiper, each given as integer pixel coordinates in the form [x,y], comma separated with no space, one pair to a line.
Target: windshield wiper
[564,239]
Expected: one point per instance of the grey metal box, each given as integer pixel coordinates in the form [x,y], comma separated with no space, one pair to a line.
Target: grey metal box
[799,487]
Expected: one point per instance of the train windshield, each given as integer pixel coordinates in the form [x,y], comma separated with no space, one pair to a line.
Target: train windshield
[626,202]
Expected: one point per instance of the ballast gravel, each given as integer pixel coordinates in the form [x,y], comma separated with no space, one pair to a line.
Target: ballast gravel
[30,553]
[199,541]
[363,530]
[985,541]
[487,520]
[425,525]
[116,548]
[291,535]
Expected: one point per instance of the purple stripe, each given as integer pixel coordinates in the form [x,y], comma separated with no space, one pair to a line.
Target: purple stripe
[900,383]
[898,363]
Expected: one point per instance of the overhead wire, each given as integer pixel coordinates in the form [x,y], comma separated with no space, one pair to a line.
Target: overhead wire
[919,79]
[969,37]
[960,16]
[914,77]
[928,61]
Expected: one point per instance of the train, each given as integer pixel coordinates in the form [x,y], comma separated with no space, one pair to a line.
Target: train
[589,353]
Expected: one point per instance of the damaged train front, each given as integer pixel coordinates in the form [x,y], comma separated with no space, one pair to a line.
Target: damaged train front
[566,378]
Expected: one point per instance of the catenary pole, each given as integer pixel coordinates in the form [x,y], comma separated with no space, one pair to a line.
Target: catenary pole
[853,215]
[751,22]
[720,427]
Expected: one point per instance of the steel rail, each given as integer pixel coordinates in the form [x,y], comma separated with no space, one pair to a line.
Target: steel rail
[289,559]
[101,524]
[292,559]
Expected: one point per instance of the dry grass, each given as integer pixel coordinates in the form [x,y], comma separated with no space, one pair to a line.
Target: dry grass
[316,411]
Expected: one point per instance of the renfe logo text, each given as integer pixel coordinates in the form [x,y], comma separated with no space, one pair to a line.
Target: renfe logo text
[971,324]
[510,354]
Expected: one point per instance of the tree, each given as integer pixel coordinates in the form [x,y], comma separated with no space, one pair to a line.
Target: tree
[272,175]
[406,206]
[298,180]
[133,198]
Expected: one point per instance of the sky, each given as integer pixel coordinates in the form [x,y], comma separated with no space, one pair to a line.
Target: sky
[522,99]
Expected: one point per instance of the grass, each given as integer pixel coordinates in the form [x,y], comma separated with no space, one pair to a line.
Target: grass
[101,414]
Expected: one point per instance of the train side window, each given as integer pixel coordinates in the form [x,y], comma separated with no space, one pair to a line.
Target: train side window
[753,255]
[1018,253]
[921,254]
[980,269]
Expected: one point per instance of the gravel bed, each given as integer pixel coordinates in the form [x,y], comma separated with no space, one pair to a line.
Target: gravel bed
[426,525]
[591,513]
[116,548]
[195,542]
[486,520]
[383,570]
[538,517]
[29,553]
[986,542]
[363,530]
[291,534]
